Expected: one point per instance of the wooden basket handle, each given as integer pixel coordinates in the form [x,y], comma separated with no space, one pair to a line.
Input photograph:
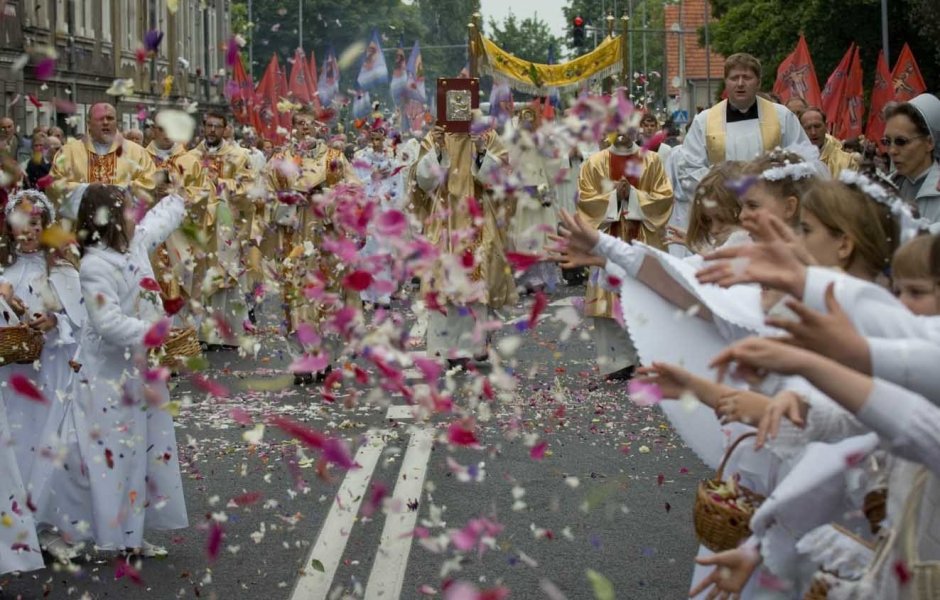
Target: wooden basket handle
[721,467]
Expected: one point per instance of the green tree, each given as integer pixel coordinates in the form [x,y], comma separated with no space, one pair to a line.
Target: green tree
[647,39]
[768,29]
[529,39]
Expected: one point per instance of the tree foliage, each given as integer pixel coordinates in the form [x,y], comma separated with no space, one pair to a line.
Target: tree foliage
[342,23]
[647,38]
[529,38]
[768,29]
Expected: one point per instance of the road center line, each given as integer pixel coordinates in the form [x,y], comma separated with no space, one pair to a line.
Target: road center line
[391,560]
[331,542]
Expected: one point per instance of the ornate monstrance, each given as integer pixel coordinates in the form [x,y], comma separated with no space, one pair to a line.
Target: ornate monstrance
[456,100]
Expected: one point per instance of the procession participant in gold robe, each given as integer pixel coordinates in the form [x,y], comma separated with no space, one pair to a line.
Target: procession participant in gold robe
[177,262]
[831,153]
[306,167]
[228,222]
[623,191]
[103,156]
[471,277]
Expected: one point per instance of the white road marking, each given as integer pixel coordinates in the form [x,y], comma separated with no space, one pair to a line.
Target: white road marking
[399,412]
[391,561]
[331,542]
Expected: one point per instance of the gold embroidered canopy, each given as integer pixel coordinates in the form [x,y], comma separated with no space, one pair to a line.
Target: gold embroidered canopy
[537,79]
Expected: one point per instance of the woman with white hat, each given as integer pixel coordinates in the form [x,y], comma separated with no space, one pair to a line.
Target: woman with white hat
[912,140]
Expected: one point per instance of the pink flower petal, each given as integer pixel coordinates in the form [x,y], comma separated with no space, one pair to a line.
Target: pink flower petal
[26,388]
[391,223]
[213,388]
[462,433]
[214,541]
[538,451]
[309,363]
[358,281]
[157,334]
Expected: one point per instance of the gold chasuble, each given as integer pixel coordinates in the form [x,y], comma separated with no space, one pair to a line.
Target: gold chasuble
[125,164]
[716,133]
[654,196]
[449,224]
[835,158]
[176,262]
[296,225]
[228,217]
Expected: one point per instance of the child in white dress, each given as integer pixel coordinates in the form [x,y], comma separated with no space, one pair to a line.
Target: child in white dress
[46,288]
[123,474]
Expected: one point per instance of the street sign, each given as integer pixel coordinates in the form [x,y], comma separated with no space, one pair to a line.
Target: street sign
[680,117]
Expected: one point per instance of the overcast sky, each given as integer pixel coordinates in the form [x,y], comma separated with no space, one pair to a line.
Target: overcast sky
[547,10]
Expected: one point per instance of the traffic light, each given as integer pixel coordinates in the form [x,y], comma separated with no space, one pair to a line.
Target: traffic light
[577,32]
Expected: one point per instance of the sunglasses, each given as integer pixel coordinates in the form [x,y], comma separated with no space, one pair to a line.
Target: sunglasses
[900,142]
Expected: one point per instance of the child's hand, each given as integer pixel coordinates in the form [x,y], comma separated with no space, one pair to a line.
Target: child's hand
[18,306]
[6,291]
[44,322]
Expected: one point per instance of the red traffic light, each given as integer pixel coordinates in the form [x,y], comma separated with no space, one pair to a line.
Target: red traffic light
[578,21]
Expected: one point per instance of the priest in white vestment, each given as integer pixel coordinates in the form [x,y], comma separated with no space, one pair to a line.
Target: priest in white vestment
[741,127]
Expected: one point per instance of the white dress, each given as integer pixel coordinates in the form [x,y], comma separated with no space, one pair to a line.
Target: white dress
[536,161]
[385,186]
[19,548]
[35,426]
[121,435]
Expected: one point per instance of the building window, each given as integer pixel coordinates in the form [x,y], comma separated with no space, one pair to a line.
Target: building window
[106,20]
[131,36]
[61,16]
[212,45]
[89,8]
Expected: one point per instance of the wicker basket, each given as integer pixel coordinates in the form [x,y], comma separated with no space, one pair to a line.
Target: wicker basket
[20,344]
[719,525]
[818,590]
[180,344]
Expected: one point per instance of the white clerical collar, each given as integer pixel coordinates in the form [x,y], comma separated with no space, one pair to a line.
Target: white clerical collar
[624,151]
[101,149]
[164,154]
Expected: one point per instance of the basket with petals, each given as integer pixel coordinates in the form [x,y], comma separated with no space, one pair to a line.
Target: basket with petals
[723,509]
[20,344]
[818,589]
[180,344]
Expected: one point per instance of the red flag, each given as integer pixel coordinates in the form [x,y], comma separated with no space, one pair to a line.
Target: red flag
[881,94]
[906,78]
[796,77]
[299,90]
[283,91]
[312,79]
[852,110]
[833,95]
[241,93]
[266,99]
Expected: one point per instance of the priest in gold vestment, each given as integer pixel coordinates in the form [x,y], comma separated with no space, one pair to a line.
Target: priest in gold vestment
[228,222]
[623,191]
[177,262]
[306,167]
[471,276]
[103,156]
[831,153]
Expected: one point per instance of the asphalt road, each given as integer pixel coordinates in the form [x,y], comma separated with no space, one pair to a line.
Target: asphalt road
[569,478]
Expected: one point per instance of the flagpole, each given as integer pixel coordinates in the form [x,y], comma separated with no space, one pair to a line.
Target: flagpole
[300,24]
[884,30]
[251,42]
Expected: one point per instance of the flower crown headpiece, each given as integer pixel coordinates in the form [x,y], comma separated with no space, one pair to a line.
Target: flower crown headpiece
[908,223]
[37,198]
[793,170]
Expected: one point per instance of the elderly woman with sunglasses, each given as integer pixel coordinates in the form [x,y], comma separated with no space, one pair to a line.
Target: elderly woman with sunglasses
[912,140]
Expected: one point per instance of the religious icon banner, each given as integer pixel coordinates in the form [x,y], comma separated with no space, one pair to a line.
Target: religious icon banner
[538,79]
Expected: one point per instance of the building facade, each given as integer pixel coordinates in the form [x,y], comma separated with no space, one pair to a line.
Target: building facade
[95,43]
[695,75]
